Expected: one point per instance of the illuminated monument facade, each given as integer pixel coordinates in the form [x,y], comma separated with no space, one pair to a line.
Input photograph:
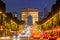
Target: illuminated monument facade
[30,15]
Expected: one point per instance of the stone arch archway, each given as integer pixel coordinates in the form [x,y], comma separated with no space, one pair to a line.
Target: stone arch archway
[29,11]
[29,20]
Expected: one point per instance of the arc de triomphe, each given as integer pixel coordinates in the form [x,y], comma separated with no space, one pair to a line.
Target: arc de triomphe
[33,12]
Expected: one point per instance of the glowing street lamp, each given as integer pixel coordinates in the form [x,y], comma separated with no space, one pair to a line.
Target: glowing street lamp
[0,12]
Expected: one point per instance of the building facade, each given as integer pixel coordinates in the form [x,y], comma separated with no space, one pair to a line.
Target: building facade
[33,13]
[2,11]
[45,12]
[52,21]
[2,6]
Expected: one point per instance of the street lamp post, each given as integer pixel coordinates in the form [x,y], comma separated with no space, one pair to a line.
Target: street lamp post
[0,17]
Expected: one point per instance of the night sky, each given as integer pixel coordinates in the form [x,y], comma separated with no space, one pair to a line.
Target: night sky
[16,5]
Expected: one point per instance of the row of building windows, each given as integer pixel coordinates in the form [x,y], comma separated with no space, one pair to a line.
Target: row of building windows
[52,23]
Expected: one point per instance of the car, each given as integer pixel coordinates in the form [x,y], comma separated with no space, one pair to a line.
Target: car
[6,38]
